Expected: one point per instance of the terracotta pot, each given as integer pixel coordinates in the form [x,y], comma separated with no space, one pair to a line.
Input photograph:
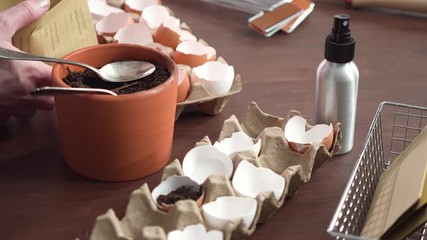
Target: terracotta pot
[116,138]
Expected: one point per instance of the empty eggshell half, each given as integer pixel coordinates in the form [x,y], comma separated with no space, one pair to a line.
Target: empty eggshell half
[170,184]
[300,140]
[216,77]
[170,34]
[246,184]
[137,33]
[184,85]
[138,6]
[203,161]
[195,232]
[229,208]
[109,25]
[194,54]
[238,142]
[100,9]
[154,16]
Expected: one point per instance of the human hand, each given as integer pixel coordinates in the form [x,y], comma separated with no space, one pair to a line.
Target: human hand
[18,78]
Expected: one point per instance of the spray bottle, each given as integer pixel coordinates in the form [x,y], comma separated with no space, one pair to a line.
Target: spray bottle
[337,81]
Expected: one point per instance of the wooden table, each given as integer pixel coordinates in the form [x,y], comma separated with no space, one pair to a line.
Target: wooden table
[40,198]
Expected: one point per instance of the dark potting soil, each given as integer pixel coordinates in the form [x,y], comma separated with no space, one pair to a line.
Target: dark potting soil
[181,193]
[89,79]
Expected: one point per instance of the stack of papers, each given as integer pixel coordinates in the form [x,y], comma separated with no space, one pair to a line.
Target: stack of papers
[249,6]
[286,16]
[271,15]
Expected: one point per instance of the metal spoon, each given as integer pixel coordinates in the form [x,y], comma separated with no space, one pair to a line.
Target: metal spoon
[123,71]
[41,91]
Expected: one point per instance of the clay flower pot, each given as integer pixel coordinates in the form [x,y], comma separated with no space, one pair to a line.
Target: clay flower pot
[116,138]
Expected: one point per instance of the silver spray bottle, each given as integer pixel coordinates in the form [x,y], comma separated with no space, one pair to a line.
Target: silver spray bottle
[337,81]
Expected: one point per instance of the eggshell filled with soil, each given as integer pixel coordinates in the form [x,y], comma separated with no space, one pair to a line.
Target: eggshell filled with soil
[176,188]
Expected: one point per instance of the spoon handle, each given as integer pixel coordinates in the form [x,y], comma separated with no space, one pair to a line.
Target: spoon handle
[41,91]
[15,55]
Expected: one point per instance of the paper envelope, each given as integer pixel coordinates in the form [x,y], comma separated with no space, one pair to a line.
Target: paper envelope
[67,26]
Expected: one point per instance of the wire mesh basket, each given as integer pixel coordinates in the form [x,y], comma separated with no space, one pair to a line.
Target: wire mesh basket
[393,128]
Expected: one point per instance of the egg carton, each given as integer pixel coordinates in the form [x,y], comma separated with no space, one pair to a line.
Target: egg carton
[143,220]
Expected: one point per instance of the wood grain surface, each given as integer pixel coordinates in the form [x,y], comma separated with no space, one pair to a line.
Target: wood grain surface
[40,198]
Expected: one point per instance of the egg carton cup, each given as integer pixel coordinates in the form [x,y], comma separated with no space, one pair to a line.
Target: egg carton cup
[143,220]
[205,102]
[256,122]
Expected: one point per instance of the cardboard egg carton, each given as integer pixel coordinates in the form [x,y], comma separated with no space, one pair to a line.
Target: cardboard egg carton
[206,102]
[143,220]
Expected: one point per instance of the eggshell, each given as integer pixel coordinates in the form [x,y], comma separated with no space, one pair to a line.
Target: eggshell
[216,77]
[154,16]
[160,47]
[138,6]
[170,34]
[137,33]
[266,180]
[201,162]
[115,3]
[195,232]
[229,208]
[183,84]
[112,23]
[299,139]
[171,184]
[166,36]
[194,54]
[238,142]
[100,9]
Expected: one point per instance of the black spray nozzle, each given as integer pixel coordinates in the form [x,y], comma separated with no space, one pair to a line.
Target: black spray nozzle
[340,45]
[341,30]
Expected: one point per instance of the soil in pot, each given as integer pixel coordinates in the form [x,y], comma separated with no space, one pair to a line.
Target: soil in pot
[89,79]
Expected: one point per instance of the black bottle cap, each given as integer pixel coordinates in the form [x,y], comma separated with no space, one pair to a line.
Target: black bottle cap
[340,45]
